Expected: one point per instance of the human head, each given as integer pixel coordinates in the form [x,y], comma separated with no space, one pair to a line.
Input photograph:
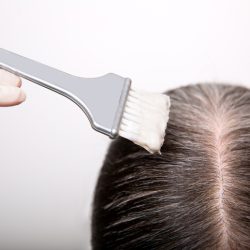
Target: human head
[196,194]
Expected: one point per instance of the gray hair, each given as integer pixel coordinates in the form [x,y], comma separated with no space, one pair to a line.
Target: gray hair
[196,195]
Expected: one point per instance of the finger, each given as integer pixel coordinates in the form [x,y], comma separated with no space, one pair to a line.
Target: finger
[7,78]
[10,96]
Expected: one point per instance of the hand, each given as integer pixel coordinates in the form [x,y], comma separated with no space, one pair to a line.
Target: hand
[10,92]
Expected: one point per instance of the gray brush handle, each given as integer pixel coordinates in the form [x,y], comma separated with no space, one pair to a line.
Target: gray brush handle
[102,98]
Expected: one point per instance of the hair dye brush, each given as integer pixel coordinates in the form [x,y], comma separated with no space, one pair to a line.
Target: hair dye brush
[111,105]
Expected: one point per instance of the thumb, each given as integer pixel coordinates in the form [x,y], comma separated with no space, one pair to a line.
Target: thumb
[11,95]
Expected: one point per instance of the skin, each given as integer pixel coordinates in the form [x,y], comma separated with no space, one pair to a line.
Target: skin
[11,93]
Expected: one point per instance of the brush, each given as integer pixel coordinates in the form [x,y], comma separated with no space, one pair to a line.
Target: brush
[112,106]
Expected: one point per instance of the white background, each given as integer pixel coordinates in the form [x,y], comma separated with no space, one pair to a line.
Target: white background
[49,155]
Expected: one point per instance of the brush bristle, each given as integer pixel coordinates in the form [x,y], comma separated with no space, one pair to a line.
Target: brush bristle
[145,119]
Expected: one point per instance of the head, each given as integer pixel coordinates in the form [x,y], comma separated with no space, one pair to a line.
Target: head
[196,194]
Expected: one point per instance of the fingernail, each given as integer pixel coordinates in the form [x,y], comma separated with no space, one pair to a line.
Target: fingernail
[22,96]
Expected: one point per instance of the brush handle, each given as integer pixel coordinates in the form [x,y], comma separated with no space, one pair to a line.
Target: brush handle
[102,98]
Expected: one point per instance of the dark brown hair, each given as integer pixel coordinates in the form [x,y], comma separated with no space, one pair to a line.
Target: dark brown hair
[196,194]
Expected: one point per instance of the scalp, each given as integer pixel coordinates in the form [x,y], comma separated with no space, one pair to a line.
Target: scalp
[193,196]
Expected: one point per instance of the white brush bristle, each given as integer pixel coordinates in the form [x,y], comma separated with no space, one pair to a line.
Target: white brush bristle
[145,119]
